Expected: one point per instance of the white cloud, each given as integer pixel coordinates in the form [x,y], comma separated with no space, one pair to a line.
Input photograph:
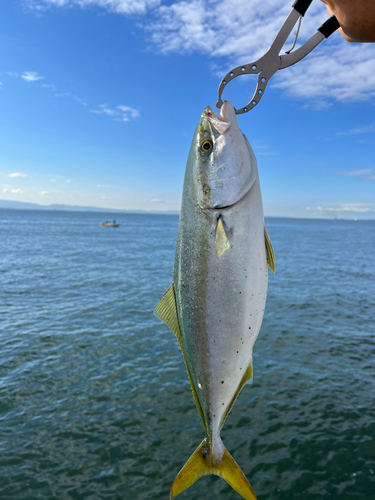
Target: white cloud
[366,129]
[128,112]
[117,6]
[340,72]
[234,32]
[32,76]
[346,207]
[365,174]
[12,191]
[120,113]
[351,173]
[44,193]
[17,174]
[242,31]
[157,200]
[342,209]
[68,180]
[49,86]
[73,96]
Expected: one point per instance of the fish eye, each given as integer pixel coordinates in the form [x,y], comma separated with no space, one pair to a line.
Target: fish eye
[206,146]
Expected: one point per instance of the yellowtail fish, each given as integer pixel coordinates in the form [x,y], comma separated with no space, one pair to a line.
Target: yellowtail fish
[216,302]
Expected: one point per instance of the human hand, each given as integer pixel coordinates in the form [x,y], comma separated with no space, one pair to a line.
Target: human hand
[356,18]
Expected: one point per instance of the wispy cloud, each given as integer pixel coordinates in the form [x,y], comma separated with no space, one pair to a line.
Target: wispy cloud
[44,193]
[120,113]
[49,86]
[365,174]
[242,30]
[72,96]
[103,185]
[345,207]
[31,76]
[16,174]
[157,200]
[351,173]
[232,32]
[262,150]
[337,72]
[366,129]
[117,6]
[12,191]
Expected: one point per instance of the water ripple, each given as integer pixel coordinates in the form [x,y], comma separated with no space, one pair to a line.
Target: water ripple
[94,397]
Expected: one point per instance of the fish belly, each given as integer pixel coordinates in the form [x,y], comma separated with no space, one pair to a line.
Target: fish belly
[220,299]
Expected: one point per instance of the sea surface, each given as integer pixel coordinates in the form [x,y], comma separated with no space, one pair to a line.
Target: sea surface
[95,401]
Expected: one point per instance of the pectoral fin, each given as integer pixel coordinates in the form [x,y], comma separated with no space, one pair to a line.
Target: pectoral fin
[221,241]
[270,254]
[166,310]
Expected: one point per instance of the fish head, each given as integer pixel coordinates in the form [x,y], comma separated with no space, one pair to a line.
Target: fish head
[225,166]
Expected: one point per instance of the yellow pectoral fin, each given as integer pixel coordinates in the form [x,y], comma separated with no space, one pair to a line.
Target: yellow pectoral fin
[221,241]
[166,310]
[201,464]
[269,250]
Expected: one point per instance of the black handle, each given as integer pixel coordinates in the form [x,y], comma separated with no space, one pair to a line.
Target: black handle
[301,6]
[329,27]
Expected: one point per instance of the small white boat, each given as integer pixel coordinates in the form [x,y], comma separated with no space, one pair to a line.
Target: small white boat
[109,224]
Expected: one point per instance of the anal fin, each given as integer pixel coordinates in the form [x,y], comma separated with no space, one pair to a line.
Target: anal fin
[247,376]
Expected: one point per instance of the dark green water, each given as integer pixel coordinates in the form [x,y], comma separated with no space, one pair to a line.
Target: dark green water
[94,398]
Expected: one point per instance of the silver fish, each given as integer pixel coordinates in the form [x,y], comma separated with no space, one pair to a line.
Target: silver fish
[216,302]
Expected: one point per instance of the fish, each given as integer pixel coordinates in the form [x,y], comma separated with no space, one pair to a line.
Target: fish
[216,302]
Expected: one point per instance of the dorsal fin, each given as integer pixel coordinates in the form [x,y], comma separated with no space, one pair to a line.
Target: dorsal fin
[269,250]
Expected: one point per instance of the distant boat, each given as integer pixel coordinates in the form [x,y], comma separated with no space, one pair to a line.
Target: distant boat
[109,224]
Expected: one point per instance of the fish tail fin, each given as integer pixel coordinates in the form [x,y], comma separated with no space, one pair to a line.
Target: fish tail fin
[201,464]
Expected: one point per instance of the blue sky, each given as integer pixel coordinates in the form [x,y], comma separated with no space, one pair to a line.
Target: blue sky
[100,98]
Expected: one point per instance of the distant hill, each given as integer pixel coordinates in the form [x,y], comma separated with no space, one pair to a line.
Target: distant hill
[19,205]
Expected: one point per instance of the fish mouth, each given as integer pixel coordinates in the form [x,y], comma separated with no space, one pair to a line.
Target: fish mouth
[219,123]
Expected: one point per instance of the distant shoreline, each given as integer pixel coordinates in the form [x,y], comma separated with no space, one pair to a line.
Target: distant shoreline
[18,206]
[107,211]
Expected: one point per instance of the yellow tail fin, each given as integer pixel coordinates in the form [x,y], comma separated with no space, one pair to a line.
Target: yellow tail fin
[201,464]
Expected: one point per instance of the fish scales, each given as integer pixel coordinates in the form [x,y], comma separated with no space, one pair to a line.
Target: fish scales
[219,283]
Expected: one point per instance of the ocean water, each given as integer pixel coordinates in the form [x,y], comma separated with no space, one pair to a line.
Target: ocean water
[94,397]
